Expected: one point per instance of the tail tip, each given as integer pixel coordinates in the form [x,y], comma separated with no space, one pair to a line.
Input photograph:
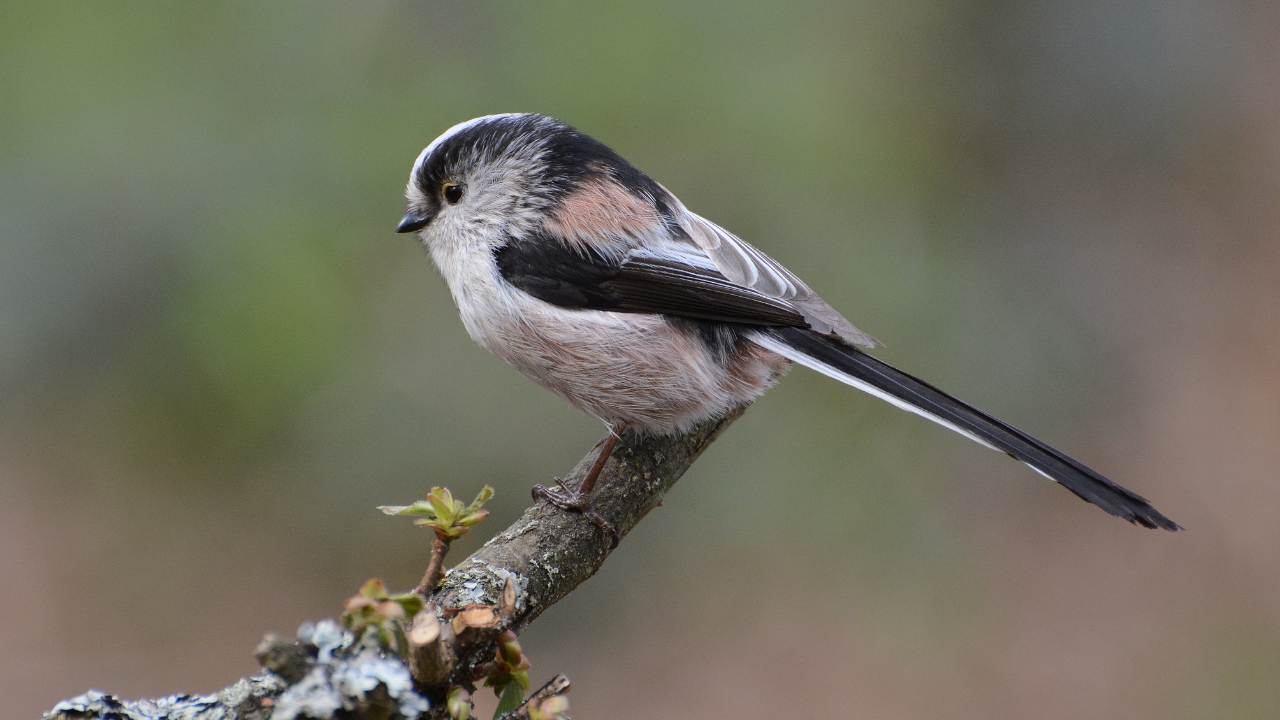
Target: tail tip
[1150,518]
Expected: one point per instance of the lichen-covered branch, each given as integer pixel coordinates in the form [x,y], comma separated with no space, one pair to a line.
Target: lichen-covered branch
[505,585]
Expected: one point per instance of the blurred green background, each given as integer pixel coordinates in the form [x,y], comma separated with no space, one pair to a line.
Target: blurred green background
[216,358]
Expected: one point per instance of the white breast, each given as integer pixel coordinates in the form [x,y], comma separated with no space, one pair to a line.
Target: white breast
[486,303]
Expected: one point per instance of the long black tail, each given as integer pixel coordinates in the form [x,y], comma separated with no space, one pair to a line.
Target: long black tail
[888,383]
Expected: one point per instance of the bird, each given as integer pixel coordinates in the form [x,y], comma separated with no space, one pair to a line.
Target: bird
[596,282]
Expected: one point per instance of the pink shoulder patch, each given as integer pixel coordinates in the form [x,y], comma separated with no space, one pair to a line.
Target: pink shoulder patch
[600,213]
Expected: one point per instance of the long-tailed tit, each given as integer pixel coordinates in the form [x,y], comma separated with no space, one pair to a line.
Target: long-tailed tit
[599,284]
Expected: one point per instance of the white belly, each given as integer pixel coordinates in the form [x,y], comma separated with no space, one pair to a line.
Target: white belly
[618,367]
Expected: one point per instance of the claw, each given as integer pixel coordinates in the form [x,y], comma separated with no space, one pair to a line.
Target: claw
[605,525]
[578,500]
[574,502]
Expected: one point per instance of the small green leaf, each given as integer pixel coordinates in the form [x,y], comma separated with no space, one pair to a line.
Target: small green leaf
[459,704]
[420,508]
[442,501]
[373,589]
[484,496]
[411,603]
[509,648]
[509,700]
[472,517]
[446,516]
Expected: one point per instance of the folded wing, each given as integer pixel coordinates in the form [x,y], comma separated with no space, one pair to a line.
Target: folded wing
[750,267]
[638,282]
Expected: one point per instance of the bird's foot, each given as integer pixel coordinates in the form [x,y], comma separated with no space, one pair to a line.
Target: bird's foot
[576,502]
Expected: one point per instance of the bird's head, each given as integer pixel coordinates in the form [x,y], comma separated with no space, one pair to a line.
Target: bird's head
[514,174]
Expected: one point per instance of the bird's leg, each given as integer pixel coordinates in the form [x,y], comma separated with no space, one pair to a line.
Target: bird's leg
[579,500]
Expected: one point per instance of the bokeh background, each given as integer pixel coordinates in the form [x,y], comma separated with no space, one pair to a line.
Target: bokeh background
[216,358]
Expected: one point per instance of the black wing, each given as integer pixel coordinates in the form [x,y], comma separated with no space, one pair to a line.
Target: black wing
[554,272]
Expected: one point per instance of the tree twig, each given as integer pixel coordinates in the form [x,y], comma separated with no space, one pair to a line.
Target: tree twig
[435,568]
[520,572]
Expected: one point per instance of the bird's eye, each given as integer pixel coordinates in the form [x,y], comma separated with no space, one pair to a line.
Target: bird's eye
[452,192]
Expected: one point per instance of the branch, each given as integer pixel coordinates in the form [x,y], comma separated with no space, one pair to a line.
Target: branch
[507,583]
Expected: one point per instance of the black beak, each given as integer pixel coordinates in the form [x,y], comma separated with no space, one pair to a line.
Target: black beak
[413,222]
